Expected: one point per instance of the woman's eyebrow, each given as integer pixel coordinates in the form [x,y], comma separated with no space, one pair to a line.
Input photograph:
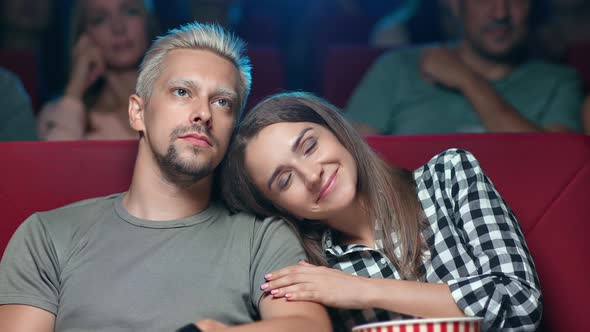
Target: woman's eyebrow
[293,148]
[299,138]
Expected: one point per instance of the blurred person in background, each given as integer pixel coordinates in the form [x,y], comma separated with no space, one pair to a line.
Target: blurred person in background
[24,23]
[414,22]
[16,115]
[569,23]
[31,45]
[485,82]
[109,39]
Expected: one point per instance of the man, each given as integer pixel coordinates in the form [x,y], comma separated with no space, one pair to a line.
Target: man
[481,84]
[163,254]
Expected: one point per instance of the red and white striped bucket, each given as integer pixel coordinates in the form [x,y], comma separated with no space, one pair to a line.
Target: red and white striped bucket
[458,324]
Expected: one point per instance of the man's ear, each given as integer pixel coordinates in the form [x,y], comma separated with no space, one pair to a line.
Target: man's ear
[136,113]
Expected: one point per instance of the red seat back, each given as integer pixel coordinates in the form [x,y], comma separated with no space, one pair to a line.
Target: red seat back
[39,176]
[544,178]
[343,69]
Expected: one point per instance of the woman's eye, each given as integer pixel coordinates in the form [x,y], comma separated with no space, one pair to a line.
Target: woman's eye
[309,145]
[97,20]
[284,180]
[180,92]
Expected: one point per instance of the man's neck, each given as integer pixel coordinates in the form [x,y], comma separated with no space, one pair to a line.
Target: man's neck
[152,197]
[490,70]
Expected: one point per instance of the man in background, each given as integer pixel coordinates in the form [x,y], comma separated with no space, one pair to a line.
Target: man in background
[484,83]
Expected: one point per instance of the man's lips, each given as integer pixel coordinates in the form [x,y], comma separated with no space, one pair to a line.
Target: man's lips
[327,186]
[196,139]
[499,31]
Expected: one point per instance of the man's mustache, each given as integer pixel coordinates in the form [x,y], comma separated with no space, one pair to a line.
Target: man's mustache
[192,129]
[504,24]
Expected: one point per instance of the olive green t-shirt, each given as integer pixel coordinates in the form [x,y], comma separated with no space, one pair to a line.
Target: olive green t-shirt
[97,268]
[394,99]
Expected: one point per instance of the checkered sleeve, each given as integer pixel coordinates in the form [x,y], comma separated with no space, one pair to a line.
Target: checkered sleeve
[503,286]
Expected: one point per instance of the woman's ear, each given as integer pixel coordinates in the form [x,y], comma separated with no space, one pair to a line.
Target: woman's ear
[136,113]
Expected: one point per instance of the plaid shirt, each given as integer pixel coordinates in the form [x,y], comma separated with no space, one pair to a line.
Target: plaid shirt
[475,246]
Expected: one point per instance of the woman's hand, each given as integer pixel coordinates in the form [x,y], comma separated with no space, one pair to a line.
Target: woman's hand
[307,282]
[87,66]
[210,325]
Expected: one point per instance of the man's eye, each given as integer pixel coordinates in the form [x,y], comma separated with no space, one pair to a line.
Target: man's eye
[284,180]
[224,103]
[180,92]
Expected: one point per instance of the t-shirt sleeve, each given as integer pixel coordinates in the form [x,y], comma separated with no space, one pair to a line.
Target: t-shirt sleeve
[371,103]
[505,291]
[16,114]
[275,246]
[29,270]
[565,106]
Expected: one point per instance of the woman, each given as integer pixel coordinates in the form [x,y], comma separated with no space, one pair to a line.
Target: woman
[110,38]
[433,243]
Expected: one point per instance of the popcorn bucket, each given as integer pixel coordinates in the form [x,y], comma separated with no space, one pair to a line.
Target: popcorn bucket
[452,324]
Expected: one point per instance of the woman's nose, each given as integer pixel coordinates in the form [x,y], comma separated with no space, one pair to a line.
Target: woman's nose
[118,25]
[313,176]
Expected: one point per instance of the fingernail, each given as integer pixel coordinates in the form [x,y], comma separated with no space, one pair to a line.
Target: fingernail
[264,286]
[267,276]
[287,295]
[274,291]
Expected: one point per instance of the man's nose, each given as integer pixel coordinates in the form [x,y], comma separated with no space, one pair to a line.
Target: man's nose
[201,115]
[501,9]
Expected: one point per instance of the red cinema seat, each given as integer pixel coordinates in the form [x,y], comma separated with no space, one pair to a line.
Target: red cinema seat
[343,69]
[544,178]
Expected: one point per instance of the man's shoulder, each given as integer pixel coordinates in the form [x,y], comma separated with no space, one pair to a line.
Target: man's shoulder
[248,220]
[399,58]
[78,212]
[543,69]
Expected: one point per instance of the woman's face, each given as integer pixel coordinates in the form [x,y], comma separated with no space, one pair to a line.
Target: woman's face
[119,30]
[302,168]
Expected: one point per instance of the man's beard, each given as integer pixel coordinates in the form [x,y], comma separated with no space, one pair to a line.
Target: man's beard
[181,172]
[513,56]
[184,172]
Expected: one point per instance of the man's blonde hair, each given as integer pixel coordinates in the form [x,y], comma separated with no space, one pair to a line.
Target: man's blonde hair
[196,36]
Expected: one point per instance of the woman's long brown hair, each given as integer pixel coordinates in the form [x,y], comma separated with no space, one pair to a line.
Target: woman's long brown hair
[387,192]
